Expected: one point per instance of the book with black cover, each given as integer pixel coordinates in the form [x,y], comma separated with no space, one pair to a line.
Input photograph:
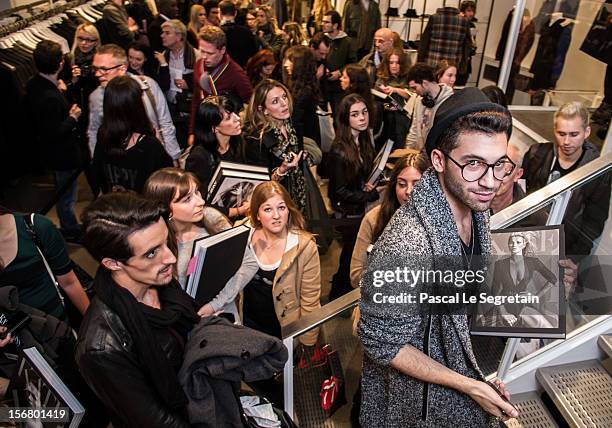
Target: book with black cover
[380,161]
[215,259]
[35,385]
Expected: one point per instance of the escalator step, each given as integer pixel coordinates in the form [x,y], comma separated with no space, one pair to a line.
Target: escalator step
[581,392]
[533,412]
[605,343]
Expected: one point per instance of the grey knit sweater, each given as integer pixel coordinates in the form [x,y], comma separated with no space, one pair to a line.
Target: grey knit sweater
[419,233]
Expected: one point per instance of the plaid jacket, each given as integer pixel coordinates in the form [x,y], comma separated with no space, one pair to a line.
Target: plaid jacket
[447,36]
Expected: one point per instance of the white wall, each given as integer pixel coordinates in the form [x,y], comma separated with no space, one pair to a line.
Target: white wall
[580,72]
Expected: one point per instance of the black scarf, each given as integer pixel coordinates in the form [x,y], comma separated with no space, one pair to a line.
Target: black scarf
[83,59]
[178,311]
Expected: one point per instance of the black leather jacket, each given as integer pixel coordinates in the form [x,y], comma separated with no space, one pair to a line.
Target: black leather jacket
[108,362]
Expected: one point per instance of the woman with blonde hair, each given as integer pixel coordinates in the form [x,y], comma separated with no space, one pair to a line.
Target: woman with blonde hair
[197,19]
[281,277]
[84,46]
[190,219]
[272,140]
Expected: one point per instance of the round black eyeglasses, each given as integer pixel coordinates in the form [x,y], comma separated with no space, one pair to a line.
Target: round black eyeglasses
[474,170]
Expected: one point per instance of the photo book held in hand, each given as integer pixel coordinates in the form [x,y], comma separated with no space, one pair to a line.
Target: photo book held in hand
[214,260]
[36,386]
[525,294]
[380,162]
[232,184]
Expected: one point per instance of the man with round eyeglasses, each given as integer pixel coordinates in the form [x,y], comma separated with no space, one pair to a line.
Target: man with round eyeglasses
[111,61]
[413,351]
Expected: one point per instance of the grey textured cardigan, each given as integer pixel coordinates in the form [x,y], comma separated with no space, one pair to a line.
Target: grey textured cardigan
[420,231]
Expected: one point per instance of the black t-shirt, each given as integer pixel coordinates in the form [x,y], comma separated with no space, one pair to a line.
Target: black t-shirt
[258,307]
[562,171]
[130,168]
[471,252]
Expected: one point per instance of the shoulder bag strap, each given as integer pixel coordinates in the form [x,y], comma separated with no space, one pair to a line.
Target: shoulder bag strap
[29,223]
[147,90]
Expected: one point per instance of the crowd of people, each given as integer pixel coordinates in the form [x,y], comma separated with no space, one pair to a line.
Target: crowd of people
[149,111]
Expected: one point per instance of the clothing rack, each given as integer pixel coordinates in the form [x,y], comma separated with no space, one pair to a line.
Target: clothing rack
[30,8]
[24,23]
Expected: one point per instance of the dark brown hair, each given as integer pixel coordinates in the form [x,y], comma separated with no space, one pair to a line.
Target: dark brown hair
[163,185]
[404,60]
[112,218]
[390,204]
[303,80]
[489,122]
[344,144]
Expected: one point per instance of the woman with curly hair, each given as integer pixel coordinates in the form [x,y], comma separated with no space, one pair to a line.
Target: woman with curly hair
[261,66]
[392,73]
[392,80]
[299,74]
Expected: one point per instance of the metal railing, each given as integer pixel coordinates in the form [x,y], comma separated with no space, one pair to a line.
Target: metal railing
[557,192]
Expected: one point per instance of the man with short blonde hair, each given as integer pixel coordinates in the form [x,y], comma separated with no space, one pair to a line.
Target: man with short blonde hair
[216,73]
[587,210]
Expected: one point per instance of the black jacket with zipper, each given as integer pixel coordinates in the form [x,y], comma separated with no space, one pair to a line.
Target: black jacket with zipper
[587,210]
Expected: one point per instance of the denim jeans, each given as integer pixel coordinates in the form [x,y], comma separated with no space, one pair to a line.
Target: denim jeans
[66,201]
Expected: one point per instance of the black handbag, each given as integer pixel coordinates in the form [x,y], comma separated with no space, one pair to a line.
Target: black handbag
[283,417]
[318,222]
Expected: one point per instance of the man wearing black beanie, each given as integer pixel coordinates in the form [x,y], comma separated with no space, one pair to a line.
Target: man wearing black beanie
[419,367]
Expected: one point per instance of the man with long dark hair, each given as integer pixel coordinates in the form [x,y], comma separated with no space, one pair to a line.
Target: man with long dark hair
[419,365]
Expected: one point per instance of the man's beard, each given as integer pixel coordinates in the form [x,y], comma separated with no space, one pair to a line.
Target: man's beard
[464,195]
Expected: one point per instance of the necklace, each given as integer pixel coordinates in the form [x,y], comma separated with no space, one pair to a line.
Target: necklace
[267,247]
[468,260]
[273,244]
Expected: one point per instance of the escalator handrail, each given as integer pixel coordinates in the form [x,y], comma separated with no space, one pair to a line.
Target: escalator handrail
[502,219]
[533,202]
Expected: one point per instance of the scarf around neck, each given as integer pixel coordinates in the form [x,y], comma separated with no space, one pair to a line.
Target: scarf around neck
[178,310]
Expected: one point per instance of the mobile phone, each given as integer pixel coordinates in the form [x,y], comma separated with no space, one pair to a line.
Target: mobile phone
[503,397]
[16,322]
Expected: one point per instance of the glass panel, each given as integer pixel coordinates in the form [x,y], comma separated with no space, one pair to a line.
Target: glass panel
[588,243]
[334,361]
[560,55]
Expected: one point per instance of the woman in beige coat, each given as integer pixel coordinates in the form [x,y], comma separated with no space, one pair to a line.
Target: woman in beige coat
[281,276]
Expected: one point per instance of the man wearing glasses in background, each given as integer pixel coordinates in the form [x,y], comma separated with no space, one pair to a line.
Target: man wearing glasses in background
[419,367]
[109,62]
